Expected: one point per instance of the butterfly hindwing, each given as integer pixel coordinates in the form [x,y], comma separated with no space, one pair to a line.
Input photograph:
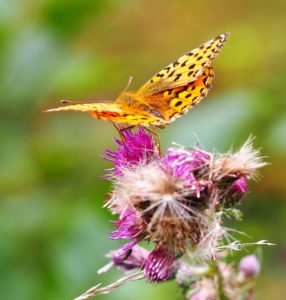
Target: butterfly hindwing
[175,102]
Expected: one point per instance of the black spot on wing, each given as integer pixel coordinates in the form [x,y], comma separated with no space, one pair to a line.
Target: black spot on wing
[177,77]
[167,69]
[178,103]
[185,107]
[184,63]
[175,63]
[172,73]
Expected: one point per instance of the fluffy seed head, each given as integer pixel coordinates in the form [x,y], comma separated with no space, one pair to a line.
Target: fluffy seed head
[172,214]
[243,163]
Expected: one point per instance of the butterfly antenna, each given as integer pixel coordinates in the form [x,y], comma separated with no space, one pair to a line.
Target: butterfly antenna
[128,83]
[68,101]
[83,102]
[74,102]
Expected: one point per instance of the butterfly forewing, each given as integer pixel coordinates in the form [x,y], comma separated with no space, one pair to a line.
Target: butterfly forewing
[186,68]
[114,112]
[87,107]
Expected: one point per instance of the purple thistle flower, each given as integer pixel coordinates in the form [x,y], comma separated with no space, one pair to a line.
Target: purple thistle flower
[186,164]
[135,260]
[172,201]
[124,252]
[249,265]
[128,226]
[159,265]
[135,148]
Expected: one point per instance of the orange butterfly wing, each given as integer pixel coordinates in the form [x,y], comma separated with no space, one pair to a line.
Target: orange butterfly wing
[175,102]
[167,95]
[184,83]
[185,69]
[123,113]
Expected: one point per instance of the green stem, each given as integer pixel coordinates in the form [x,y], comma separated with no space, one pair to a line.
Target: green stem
[218,275]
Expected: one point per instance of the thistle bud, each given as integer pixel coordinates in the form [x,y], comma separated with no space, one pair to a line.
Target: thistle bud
[159,264]
[234,194]
[249,265]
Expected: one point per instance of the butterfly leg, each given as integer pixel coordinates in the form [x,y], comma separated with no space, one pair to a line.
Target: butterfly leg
[152,130]
[119,130]
[122,129]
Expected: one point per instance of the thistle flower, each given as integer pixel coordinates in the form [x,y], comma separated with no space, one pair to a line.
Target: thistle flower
[185,164]
[128,226]
[136,259]
[134,148]
[172,200]
[177,202]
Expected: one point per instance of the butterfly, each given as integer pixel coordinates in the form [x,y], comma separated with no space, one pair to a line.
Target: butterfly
[169,94]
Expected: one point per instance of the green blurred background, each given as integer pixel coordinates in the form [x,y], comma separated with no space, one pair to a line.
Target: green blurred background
[52,225]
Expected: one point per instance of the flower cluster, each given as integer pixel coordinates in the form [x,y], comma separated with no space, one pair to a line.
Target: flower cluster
[174,200]
[177,202]
[219,280]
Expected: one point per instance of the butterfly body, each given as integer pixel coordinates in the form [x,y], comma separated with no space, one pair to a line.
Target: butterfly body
[169,94]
